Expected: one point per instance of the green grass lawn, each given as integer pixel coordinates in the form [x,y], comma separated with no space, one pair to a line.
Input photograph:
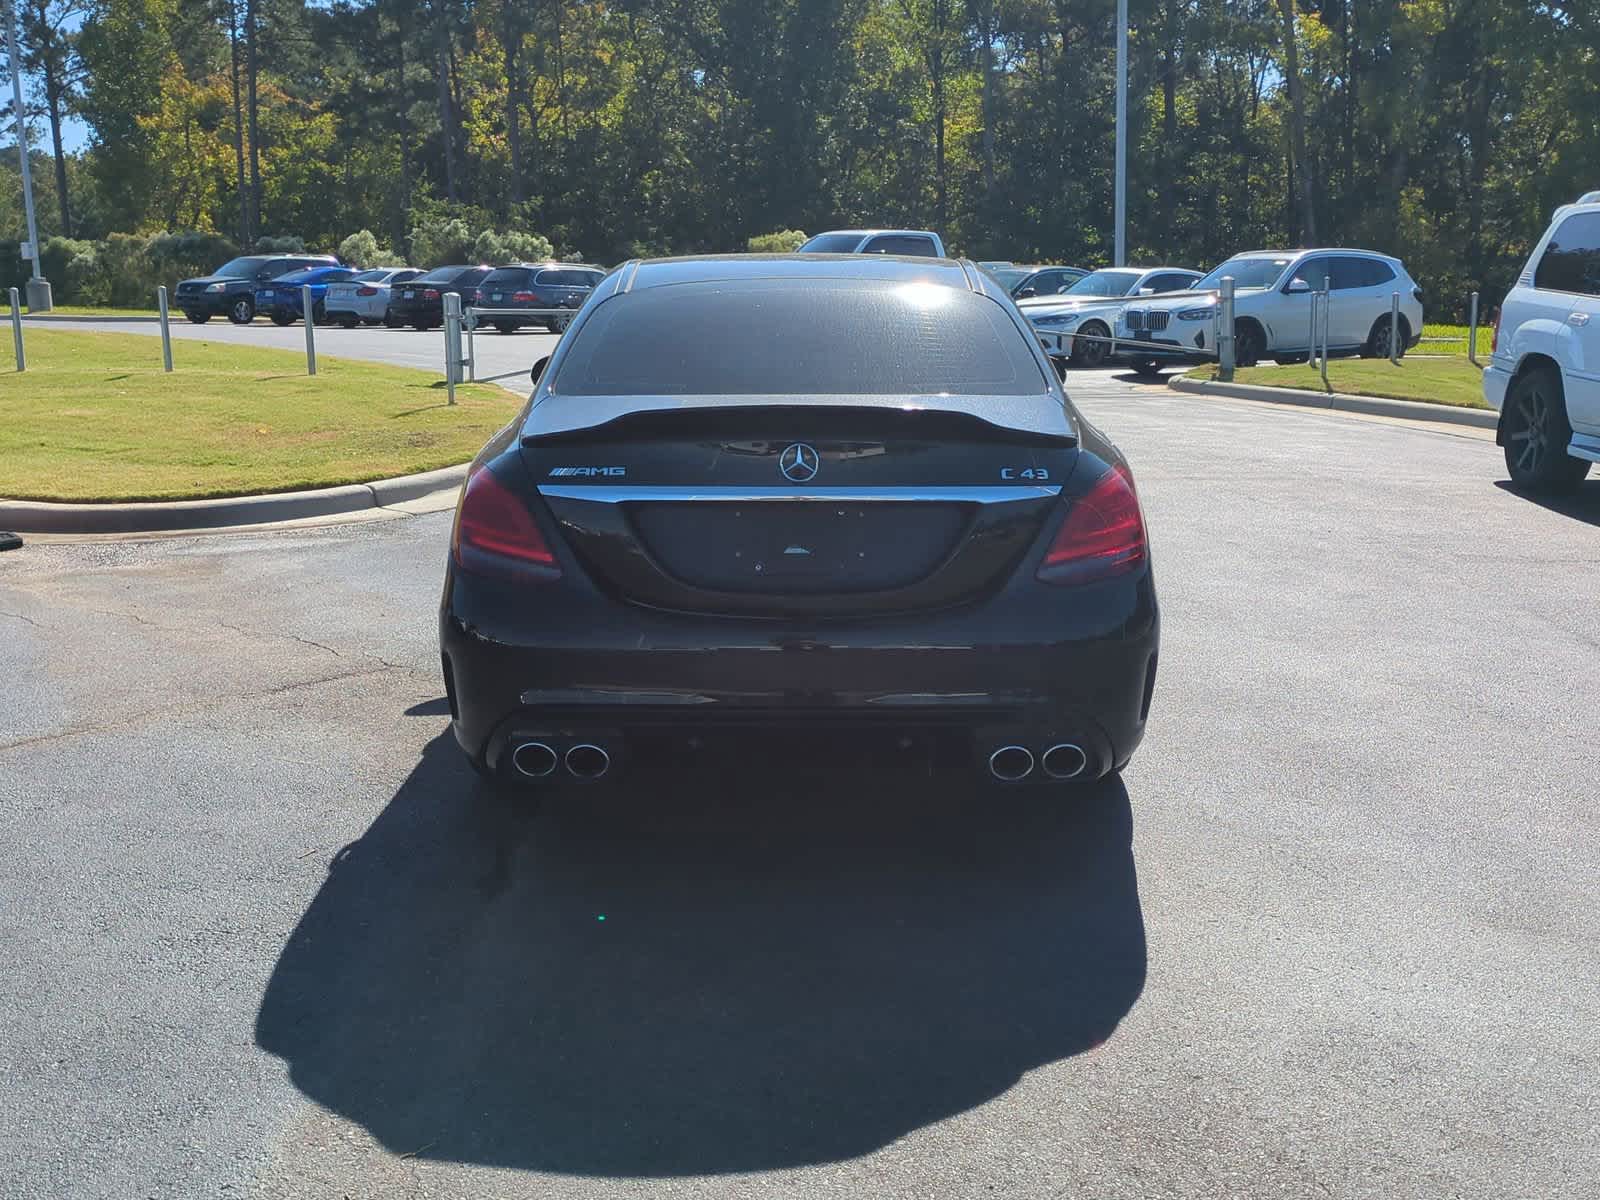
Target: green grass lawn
[92,310]
[1452,381]
[1457,340]
[96,419]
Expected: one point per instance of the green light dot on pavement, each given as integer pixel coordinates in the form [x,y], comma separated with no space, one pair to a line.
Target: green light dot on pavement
[601,917]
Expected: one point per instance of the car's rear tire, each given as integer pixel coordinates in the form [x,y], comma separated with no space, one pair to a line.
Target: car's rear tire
[1377,343]
[242,311]
[349,320]
[420,326]
[506,326]
[1088,354]
[281,318]
[390,321]
[1536,433]
[1147,369]
[198,318]
[1292,360]
[559,324]
[1249,343]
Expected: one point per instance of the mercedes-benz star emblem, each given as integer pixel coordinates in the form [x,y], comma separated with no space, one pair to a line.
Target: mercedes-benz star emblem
[799,463]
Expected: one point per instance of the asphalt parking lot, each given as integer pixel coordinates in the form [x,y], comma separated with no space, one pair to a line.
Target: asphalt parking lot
[1331,934]
[499,355]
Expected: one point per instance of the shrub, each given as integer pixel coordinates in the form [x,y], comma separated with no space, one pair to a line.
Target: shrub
[362,249]
[435,242]
[781,241]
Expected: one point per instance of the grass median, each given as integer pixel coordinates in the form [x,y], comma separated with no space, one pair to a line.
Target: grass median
[95,418]
[1450,381]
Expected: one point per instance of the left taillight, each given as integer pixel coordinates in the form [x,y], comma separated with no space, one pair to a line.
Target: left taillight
[430,294]
[1102,535]
[366,291]
[494,529]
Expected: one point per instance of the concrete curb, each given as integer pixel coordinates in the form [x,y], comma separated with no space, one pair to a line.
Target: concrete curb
[30,516]
[1413,410]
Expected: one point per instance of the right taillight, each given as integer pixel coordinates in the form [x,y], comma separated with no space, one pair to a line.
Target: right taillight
[1102,535]
[495,531]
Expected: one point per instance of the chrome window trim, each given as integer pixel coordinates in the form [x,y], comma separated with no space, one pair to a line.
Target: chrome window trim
[626,494]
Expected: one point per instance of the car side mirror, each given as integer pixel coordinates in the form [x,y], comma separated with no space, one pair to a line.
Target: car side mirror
[1297,287]
[1026,294]
[538,369]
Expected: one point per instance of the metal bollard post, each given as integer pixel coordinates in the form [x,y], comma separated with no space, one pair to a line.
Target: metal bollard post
[1394,329]
[311,329]
[16,331]
[452,342]
[1225,358]
[1472,332]
[471,318]
[166,329]
[1327,313]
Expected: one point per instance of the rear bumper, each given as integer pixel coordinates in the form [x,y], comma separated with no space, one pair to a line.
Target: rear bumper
[368,308]
[1034,666]
[1496,380]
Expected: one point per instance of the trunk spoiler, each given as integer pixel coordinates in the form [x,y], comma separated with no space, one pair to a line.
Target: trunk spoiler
[1040,419]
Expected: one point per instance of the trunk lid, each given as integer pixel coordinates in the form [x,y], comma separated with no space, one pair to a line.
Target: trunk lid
[799,511]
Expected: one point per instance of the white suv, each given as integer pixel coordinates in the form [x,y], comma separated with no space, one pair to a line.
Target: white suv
[1272,292]
[1544,374]
[1090,306]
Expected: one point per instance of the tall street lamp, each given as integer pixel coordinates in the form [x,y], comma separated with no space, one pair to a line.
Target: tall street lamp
[38,286]
[1122,135]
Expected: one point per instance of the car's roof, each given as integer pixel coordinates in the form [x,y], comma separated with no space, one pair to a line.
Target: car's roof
[711,268]
[548,264]
[871,232]
[1315,250]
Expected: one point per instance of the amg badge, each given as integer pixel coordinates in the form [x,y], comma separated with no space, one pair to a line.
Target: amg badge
[561,472]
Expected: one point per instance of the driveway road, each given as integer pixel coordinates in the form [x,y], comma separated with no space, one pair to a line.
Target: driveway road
[1332,934]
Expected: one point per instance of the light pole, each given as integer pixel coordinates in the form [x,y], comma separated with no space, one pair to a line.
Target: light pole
[1122,135]
[38,286]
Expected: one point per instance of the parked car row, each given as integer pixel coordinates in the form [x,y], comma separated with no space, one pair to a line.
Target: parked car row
[271,286]
[1178,309]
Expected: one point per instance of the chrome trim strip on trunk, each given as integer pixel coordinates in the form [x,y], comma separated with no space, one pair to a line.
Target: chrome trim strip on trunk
[624,494]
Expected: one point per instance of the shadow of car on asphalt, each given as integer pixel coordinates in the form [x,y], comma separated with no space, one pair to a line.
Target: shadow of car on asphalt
[705,974]
[1581,505]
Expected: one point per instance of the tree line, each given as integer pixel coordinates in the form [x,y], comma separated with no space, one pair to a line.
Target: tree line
[1440,130]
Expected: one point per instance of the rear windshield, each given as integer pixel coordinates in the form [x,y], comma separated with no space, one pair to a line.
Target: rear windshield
[822,337]
[570,277]
[440,275]
[506,277]
[832,243]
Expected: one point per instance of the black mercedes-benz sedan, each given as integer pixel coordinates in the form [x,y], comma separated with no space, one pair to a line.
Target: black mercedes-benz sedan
[837,505]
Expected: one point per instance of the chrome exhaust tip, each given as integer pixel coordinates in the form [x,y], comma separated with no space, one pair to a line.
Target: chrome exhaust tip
[588,761]
[1064,761]
[1011,764]
[534,760]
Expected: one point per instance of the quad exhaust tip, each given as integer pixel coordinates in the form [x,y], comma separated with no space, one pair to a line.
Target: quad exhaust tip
[1011,764]
[1064,760]
[588,761]
[534,760]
